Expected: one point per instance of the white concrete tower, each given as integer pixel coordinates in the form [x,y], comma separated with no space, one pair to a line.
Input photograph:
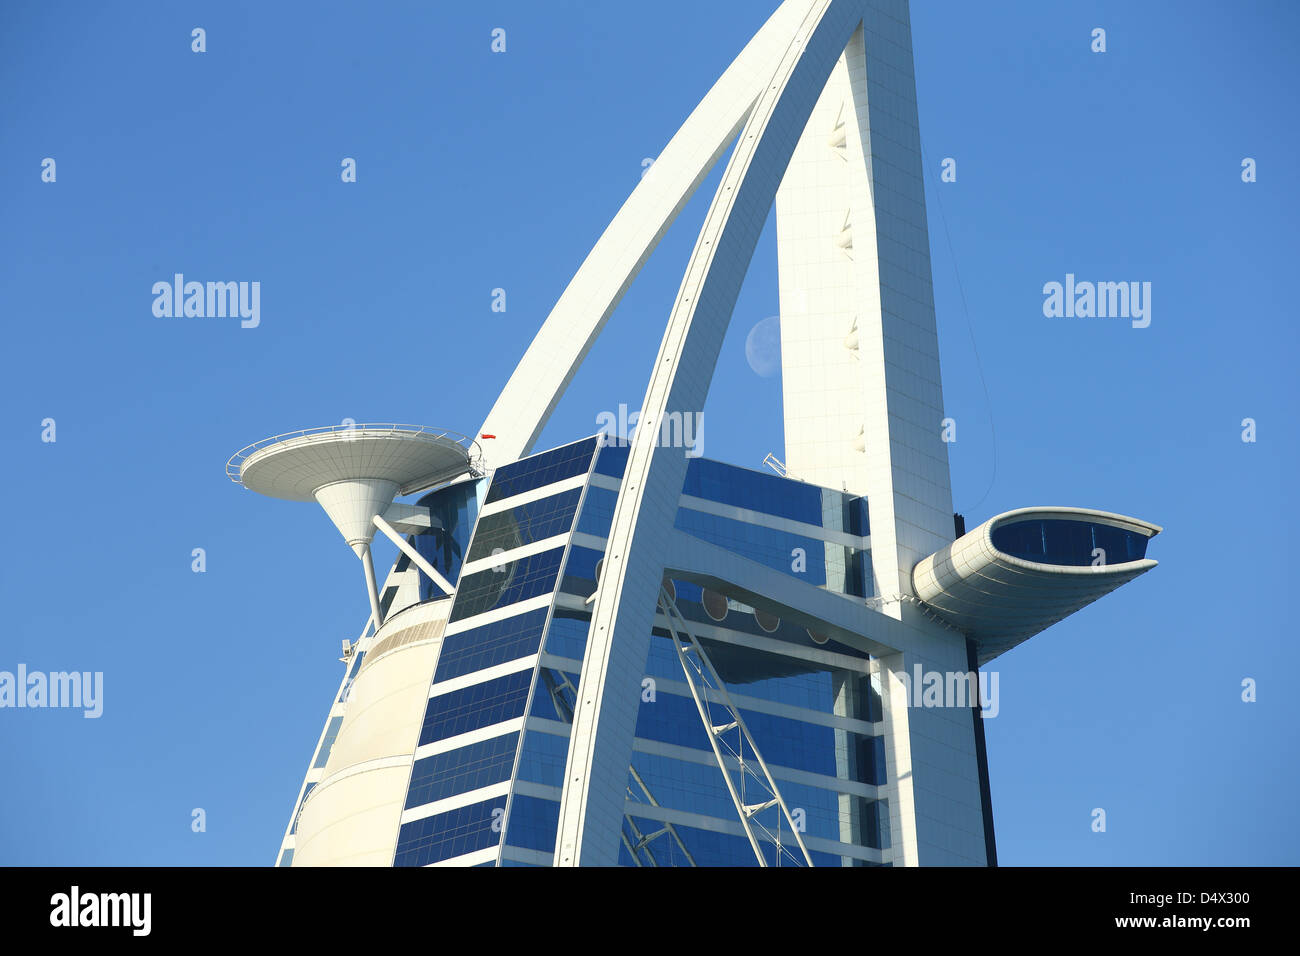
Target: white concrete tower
[859,350]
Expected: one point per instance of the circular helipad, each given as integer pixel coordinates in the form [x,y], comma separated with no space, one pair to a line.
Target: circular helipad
[294,465]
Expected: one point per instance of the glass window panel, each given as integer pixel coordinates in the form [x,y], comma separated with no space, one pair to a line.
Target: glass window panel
[778,678]
[793,554]
[710,848]
[743,488]
[556,697]
[508,584]
[469,768]
[542,758]
[597,511]
[856,518]
[352,675]
[525,524]
[567,635]
[700,788]
[1068,542]
[451,834]
[480,705]
[540,470]
[783,741]
[533,823]
[491,644]
[455,508]
[580,571]
[326,745]
[612,461]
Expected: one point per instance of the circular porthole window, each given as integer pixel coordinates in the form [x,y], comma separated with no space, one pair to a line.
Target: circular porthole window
[670,588]
[715,604]
[818,638]
[768,622]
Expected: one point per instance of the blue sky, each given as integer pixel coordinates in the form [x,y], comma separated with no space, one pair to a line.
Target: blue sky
[479,171]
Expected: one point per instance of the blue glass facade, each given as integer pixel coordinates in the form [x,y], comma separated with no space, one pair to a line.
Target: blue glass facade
[542,758]
[481,707]
[753,490]
[532,823]
[541,470]
[758,491]
[454,833]
[508,583]
[1065,542]
[490,644]
[462,771]
[812,709]
[841,568]
[526,524]
[352,675]
[809,703]
[453,510]
[327,744]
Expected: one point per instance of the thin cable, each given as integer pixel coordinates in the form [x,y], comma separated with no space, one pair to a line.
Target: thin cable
[979,365]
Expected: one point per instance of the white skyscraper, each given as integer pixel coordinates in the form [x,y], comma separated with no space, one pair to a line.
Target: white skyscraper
[613,653]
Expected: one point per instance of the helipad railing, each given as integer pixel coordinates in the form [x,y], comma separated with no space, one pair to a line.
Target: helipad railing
[473,453]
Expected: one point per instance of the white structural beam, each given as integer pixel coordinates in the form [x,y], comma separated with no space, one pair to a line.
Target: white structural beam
[844,618]
[591,808]
[372,588]
[411,519]
[416,557]
[525,404]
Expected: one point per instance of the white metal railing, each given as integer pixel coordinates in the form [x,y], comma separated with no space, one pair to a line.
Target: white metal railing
[776,464]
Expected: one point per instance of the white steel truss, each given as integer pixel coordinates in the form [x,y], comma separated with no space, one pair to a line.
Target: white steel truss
[701,678]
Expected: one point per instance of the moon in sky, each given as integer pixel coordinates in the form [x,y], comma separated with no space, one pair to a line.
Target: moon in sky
[763,347]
